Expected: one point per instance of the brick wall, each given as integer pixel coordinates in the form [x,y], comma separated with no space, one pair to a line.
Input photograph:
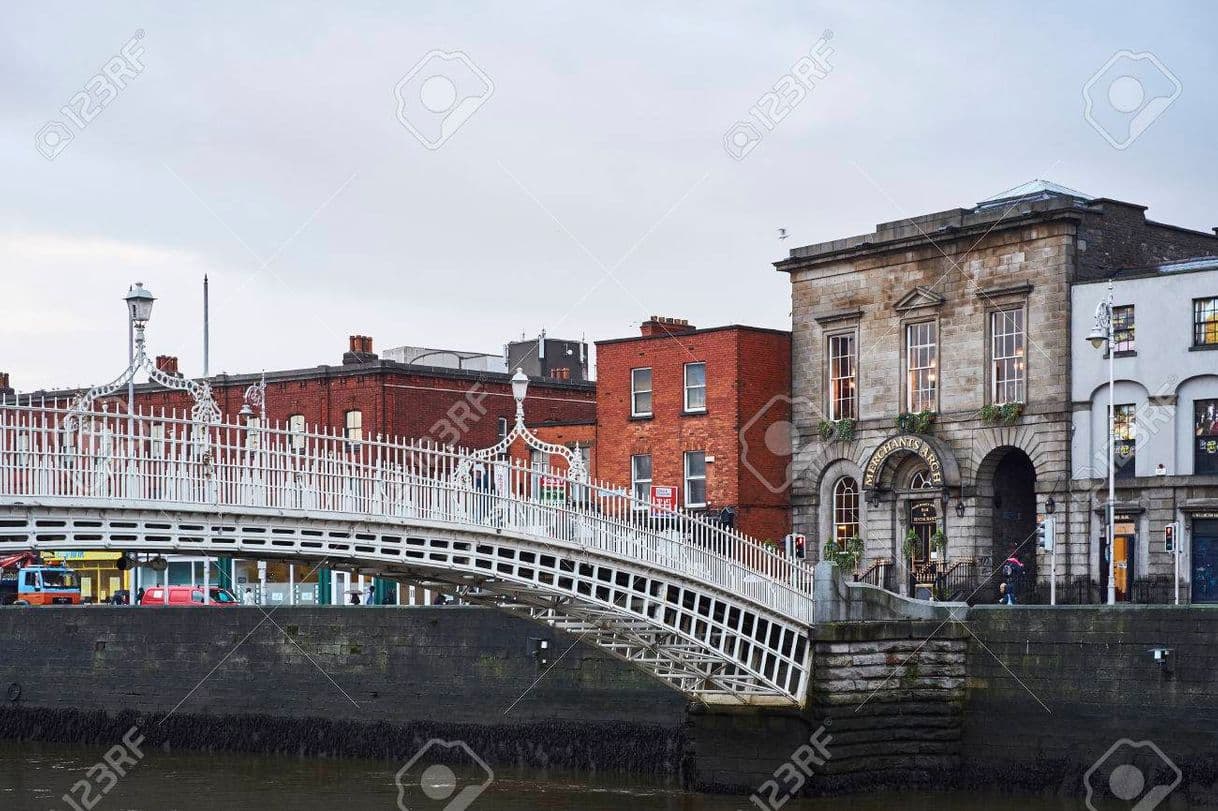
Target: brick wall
[451,407]
[745,369]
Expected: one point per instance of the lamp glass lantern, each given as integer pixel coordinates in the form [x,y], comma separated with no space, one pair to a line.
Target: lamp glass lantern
[520,385]
[139,303]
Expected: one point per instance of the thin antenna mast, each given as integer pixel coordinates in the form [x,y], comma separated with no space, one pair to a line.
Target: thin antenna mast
[206,327]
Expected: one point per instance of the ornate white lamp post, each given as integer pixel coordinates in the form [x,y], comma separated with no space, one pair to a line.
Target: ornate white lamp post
[1102,336]
[139,309]
[576,470]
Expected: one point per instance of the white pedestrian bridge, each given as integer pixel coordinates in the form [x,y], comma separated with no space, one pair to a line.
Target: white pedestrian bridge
[715,614]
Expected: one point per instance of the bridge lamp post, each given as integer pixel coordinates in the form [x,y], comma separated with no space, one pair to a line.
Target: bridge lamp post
[1102,336]
[139,309]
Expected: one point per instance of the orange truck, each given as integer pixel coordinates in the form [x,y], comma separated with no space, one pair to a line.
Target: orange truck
[26,580]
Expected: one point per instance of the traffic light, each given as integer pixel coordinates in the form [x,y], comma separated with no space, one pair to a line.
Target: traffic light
[801,550]
[1169,538]
[1045,531]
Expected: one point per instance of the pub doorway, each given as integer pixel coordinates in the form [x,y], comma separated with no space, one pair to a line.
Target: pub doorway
[1124,547]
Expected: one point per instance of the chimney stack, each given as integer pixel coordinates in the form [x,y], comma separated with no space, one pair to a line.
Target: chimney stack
[4,384]
[167,364]
[360,350]
[664,325]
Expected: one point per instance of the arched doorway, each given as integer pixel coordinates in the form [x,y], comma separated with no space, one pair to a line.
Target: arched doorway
[1011,487]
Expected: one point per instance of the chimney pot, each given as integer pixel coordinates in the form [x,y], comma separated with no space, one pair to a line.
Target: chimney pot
[665,325]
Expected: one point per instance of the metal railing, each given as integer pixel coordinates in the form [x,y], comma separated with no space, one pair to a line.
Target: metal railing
[166,458]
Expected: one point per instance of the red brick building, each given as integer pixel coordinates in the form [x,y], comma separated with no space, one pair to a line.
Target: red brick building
[371,397]
[690,408]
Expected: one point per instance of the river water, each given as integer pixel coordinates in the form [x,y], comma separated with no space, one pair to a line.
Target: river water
[34,777]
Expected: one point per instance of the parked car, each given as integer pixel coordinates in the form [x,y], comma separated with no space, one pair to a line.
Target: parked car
[186,595]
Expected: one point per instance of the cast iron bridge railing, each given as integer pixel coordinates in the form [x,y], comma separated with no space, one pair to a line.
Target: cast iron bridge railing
[709,610]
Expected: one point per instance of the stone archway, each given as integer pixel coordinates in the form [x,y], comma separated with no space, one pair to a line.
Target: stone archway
[1006,508]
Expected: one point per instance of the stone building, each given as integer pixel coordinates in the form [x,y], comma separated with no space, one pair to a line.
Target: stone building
[1165,415]
[931,378]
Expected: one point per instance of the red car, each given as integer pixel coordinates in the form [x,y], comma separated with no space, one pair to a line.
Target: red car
[187,595]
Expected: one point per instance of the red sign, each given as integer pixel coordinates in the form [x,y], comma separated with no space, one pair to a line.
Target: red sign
[663,498]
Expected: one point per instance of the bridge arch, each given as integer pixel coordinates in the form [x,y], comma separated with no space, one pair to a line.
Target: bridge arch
[711,612]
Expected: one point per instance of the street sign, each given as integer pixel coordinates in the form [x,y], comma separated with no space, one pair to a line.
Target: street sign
[663,498]
[553,488]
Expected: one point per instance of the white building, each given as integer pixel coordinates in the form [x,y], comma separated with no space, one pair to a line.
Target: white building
[1166,426]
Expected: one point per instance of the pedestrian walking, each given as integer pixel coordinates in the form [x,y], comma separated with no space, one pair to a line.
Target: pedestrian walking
[371,598]
[248,597]
[355,598]
[1012,575]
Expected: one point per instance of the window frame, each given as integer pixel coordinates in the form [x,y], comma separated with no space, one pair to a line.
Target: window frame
[993,358]
[841,510]
[833,404]
[1127,344]
[348,427]
[1201,440]
[298,427]
[635,391]
[1125,430]
[691,478]
[931,370]
[635,481]
[688,388]
[1205,330]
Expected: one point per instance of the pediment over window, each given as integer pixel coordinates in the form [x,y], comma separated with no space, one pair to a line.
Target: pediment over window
[918,298]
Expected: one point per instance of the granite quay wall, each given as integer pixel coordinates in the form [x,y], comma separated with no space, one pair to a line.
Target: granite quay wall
[366,682]
[1051,690]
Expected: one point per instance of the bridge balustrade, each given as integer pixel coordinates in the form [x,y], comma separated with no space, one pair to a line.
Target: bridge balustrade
[164,458]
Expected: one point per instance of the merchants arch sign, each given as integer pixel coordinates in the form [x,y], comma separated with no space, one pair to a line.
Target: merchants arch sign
[942,469]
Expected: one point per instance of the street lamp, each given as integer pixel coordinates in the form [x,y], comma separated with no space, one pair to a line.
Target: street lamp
[1102,335]
[139,310]
[520,387]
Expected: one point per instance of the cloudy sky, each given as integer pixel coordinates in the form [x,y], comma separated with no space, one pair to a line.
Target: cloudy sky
[582,182]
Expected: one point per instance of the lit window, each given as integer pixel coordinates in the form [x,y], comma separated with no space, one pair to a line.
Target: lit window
[1007,356]
[1205,322]
[296,428]
[1122,328]
[640,476]
[843,361]
[845,510]
[1205,430]
[355,426]
[695,387]
[695,479]
[1124,431]
[921,366]
[640,392]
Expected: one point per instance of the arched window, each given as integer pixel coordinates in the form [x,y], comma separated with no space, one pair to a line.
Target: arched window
[845,510]
[921,480]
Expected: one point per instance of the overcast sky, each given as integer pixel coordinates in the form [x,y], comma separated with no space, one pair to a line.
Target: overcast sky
[261,144]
